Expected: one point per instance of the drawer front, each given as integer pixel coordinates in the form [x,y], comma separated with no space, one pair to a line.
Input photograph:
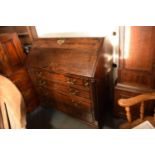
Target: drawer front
[82,83]
[55,96]
[62,88]
[67,93]
[75,108]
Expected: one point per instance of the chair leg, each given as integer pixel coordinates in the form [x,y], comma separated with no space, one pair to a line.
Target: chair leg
[128,115]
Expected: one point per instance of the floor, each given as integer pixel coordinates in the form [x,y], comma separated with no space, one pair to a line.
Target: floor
[44,118]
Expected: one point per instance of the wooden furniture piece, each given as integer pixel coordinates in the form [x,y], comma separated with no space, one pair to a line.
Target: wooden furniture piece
[73,75]
[136,72]
[141,100]
[12,59]
[12,106]
[26,34]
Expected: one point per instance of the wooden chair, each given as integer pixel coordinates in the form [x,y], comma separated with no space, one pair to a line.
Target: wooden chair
[4,118]
[127,103]
[12,106]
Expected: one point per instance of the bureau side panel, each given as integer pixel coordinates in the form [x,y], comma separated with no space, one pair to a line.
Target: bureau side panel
[104,82]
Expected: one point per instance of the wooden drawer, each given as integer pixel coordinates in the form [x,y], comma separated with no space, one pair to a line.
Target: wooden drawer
[62,88]
[83,83]
[80,111]
[56,96]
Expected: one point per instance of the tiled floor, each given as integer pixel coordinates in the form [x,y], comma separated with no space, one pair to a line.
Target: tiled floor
[44,118]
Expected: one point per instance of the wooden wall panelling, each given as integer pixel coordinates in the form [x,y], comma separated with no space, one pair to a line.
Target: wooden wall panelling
[12,65]
[136,70]
[26,34]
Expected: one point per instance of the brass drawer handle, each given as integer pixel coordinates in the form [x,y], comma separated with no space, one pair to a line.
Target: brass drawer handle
[42,83]
[76,104]
[71,81]
[73,92]
[36,71]
[86,84]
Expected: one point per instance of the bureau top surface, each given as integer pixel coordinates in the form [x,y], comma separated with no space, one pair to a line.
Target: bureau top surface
[69,56]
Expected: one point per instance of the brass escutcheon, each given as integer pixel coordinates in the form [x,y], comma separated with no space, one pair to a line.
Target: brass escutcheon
[60,41]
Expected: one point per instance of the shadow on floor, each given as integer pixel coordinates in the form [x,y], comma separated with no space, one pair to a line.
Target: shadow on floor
[45,118]
[39,119]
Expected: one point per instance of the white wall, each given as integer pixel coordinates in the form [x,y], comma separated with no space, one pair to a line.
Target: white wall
[67,30]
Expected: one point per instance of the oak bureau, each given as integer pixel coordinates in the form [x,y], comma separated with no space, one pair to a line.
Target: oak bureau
[73,75]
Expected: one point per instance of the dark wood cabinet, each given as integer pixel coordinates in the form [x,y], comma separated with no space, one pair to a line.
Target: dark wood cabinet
[11,54]
[26,34]
[73,75]
[12,65]
[136,72]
